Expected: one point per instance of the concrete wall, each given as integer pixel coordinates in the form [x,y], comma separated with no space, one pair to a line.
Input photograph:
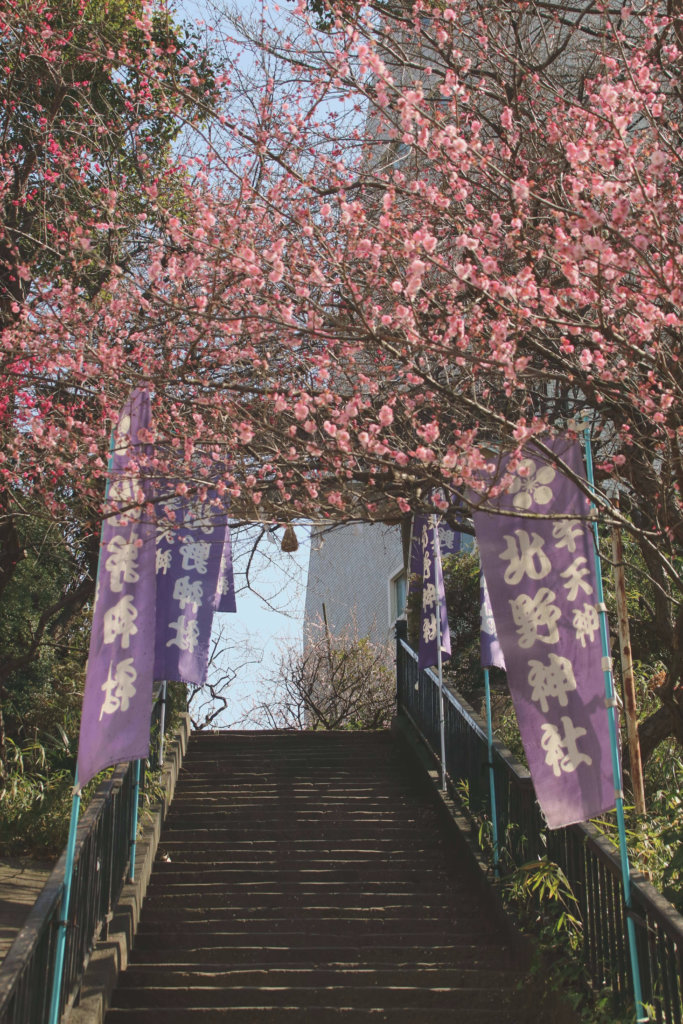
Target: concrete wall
[350,571]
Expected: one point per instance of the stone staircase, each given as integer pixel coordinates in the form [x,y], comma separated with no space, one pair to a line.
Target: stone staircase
[305,877]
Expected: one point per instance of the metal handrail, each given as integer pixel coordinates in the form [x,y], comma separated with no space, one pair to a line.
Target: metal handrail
[100,867]
[101,864]
[588,859]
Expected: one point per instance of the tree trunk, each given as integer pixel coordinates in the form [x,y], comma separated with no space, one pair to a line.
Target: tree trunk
[11,551]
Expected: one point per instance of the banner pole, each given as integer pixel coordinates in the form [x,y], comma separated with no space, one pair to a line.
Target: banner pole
[134,820]
[439,665]
[63,923]
[162,722]
[641,1015]
[492,777]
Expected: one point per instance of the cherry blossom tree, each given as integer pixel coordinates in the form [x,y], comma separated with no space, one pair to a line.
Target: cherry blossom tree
[93,97]
[429,234]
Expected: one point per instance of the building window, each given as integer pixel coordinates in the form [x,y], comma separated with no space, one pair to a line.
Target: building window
[397,587]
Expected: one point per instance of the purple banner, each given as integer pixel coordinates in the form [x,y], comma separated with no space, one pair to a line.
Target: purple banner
[491,653]
[543,590]
[225,589]
[433,596]
[190,545]
[117,702]
[450,542]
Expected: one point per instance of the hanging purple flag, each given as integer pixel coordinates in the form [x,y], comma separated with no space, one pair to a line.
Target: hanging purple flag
[117,702]
[450,540]
[491,653]
[433,596]
[543,594]
[225,589]
[190,547]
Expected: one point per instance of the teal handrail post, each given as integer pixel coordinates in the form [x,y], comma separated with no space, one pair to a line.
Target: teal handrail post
[492,776]
[610,700]
[439,668]
[63,923]
[134,820]
[162,722]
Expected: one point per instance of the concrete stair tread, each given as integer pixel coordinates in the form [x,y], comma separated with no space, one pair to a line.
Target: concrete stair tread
[322,1015]
[379,997]
[277,937]
[303,878]
[139,976]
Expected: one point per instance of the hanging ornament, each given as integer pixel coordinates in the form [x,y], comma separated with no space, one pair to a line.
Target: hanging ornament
[289,541]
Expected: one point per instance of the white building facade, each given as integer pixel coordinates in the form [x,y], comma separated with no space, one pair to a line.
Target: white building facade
[356,582]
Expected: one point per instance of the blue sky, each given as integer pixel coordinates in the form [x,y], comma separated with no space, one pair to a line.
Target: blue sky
[269,615]
[270,605]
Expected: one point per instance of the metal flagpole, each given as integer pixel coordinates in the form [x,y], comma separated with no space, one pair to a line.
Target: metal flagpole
[66,899]
[134,820]
[492,777]
[439,666]
[162,722]
[641,1016]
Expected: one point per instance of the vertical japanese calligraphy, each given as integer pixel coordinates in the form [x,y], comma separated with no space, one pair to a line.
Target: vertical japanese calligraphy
[428,566]
[491,653]
[225,589]
[194,579]
[117,702]
[543,597]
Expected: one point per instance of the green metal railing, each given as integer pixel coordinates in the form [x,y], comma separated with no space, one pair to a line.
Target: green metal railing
[101,865]
[100,868]
[589,861]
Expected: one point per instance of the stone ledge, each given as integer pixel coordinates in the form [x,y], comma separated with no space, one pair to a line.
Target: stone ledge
[110,955]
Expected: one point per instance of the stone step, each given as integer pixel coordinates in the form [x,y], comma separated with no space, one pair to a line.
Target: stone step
[365,997]
[205,843]
[189,858]
[140,976]
[323,1014]
[370,875]
[290,832]
[244,898]
[286,936]
[309,887]
[309,819]
[303,878]
[339,952]
[318,918]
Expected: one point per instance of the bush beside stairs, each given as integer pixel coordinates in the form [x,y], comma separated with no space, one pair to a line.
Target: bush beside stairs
[305,877]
